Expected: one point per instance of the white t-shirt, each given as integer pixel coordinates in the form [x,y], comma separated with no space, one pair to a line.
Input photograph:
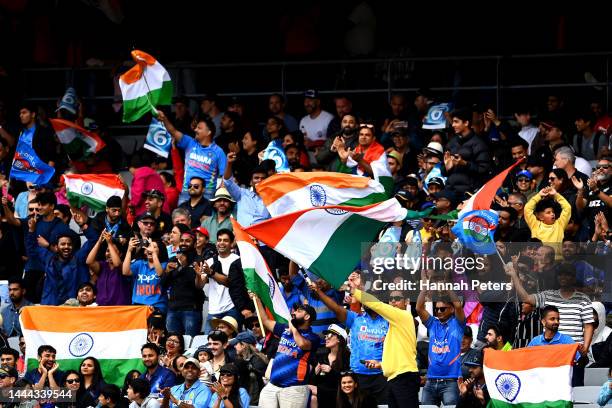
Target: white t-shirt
[316,129]
[219,300]
[528,133]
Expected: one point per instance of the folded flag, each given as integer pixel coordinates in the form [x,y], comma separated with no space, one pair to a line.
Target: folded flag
[78,142]
[483,198]
[529,377]
[158,139]
[289,192]
[276,152]
[112,334]
[475,230]
[259,279]
[329,241]
[145,86]
[92,190]
[27,166]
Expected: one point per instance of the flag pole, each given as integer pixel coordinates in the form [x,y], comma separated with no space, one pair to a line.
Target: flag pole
[258,312]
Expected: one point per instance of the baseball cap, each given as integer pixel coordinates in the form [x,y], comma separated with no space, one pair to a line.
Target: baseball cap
[145,216]
[403,196]
[244,337]
[114,202]
[436,180]
[434,148]
[308,309]
[202,231]
[524,173]
[447,194]
[337,330]
[155,194]
[8,372]
[311,93]
[192,361]
[229,368]
[476,360]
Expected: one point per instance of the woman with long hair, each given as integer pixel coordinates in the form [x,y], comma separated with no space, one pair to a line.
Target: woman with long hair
[350,395]
[228,394]
[251,364]
[93,378]
[126,382]
[175,346]
[331,361]
[75,383]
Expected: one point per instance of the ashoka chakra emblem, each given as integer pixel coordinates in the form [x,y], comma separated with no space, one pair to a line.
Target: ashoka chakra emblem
[81,344]
[87,188]
[508,385]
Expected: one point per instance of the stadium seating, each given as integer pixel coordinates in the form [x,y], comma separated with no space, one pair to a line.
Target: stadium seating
[587,394]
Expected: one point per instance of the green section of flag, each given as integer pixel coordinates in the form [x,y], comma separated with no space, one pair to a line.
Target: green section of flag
[114,370]
[134,109]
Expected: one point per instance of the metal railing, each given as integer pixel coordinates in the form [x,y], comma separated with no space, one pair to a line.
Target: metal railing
[499,76]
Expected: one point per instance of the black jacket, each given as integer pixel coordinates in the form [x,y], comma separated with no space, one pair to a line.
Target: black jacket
[477,171]
[236,284]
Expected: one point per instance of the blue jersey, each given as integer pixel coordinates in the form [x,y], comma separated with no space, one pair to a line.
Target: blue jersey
[290,366]
[198,395]
[206,162]
[367,336]
[147,285]
[444,347]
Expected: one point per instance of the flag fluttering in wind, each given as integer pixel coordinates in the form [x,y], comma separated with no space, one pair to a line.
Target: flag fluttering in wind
[258,276]
[328,241]
[146,85]
[289,192]
[530,377]
[27,166]
[112,334]
[482,199]
[77,141]
[92,190]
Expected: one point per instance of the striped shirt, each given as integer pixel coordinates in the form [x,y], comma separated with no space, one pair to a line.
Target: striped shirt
[526,329]
[574,312]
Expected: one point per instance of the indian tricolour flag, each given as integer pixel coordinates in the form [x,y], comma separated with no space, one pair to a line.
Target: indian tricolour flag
[289,192]
[92,190]
[329,241]
[259,279]
[530,377]
[146,85]
[77,141]
[112,334]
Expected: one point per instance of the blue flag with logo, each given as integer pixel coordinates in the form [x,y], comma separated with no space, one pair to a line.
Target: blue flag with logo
[276,152]
[27,166]
[158,139]
[475,231]
[436,116]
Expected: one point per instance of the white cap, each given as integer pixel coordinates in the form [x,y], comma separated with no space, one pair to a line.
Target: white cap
[334,328]
[435,147]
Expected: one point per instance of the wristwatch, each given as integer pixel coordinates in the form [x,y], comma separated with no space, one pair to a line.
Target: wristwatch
[223,398]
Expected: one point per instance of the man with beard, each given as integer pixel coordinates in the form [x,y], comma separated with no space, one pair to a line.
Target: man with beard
[10,315]
[185,290]
[550,322]
[47,374]
[159,377]
[289,380]
[367,332]
[154,201]
[473,391]
[192,393]
[220,218]
[64,271]
[496,338]
[344,106]
[597,198]
[314,124]
[111,220]
[197,205]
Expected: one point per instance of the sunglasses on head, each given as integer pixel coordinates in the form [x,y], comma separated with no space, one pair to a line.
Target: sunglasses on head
[343,373]
[76,380]
[366,125]
[215,333]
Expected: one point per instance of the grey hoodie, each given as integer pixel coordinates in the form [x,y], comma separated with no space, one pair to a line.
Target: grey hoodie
[602,331]
[150,402]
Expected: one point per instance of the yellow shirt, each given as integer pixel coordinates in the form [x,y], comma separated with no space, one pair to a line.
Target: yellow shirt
[399,348]
[548,234]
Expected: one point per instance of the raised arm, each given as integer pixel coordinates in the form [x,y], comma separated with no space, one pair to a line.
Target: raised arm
[331,304]
[159,269]
[91,262]
[516,282]
[10,215]
[127,262]
[420,306]
[265,320]
[176,134]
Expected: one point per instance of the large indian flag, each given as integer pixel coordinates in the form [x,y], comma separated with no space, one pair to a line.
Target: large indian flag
[329,241]
[259,279]
[146,85]
[289,192]
[530,377]
[112,334]
[92,190]
[77,141]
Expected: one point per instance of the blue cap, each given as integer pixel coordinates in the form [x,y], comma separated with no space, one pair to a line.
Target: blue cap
[244,337]
[524,173]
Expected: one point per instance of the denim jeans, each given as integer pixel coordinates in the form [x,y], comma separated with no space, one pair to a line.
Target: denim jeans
[184,321]
[232,312]
[443,391]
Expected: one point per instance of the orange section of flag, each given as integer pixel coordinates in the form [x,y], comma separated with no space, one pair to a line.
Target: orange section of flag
[67,319]
[530,357]
[135,73]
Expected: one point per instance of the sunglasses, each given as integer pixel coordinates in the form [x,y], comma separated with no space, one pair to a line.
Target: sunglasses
[523,180]
[22,343]
[440,309]
[395,298]
[215,333]
[254,325]
[552,178]
[76,380]
[225,374]
[196,186]
[603,166]
[349,372]
[33,209]
[148,223]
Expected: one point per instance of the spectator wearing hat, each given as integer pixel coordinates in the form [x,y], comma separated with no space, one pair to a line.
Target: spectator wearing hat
[203,157]
[204,249]
[204,355]
[314,125]
[251,364]
[227,324]
[401,144]
[394,162]
[230,131]
[523,183]
[8,376]
[197,205]
[473,391]
[191,392]
[250,207]
[435,185]
[276,107]
[331,361]
[288,384]
[467,351]
[228,390]
[445,201]
[154,200]
[210,107]
[467,161]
